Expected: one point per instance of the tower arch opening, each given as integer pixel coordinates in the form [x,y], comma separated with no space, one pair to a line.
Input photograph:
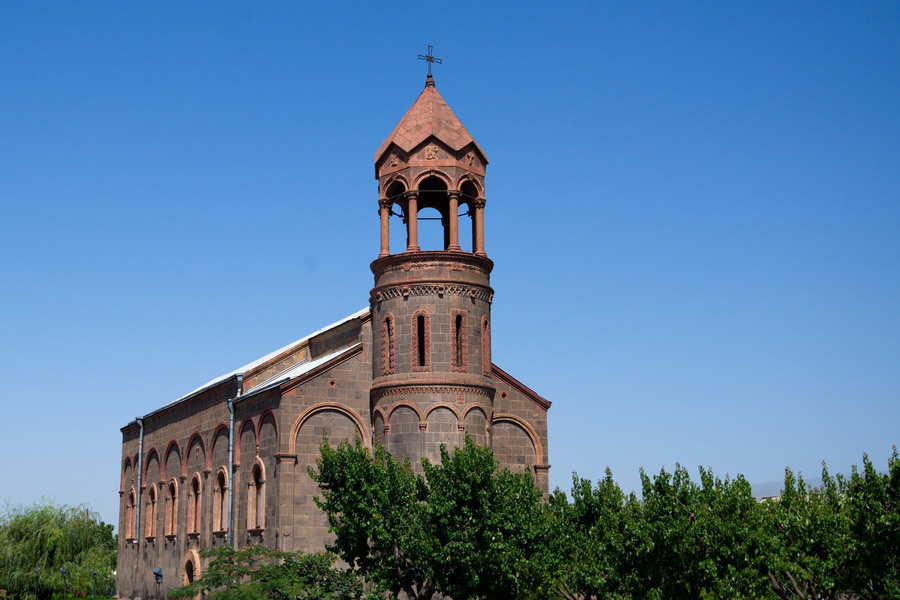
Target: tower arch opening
[395,237]
[468,193]
[433,216]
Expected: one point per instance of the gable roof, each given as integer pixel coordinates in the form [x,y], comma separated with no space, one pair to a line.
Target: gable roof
[297,370]
[429,116]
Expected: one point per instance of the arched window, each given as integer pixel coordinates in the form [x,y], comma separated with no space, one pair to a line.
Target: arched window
[129,516]
[194,504]
[256,498]
[432,216]
[397,237]
[421,341]
[220,502]
[150,514]
[468,194]
[387,345]
[459,358]
[485,347]
[172,508]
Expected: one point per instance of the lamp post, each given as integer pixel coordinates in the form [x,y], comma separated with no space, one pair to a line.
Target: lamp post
[65,583]
[94,573]
[157,573]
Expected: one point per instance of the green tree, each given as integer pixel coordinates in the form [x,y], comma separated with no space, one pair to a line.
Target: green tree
[873,512]
[259,572]
[46,537]
[597,540]
[464,529]
[810,541]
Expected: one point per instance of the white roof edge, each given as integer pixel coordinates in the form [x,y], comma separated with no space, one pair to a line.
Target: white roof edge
[296,371]
[259,361]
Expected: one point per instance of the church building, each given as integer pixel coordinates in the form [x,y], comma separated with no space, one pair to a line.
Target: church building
[227,463]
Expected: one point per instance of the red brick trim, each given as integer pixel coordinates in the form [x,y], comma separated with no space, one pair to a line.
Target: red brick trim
[459,364]
[193,525]
[162,468]
[484,411]
[485,346]
[192,557]
[529,431]
[150,453]
[397,405]
[319,407]
[262,418]
[388,352]
[347,355]
[426,342]
[438,405]
[190,444]
[423,386]
[212,442]
[502,375]
[125,466]
[237,445]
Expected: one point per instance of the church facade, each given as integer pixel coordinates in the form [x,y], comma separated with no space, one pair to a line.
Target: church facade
[228,463]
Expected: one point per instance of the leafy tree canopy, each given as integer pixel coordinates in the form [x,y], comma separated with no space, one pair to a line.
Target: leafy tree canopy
[463,528]
[260,572]
[46,537]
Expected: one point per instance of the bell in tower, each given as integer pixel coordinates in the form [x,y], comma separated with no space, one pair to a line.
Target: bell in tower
[432,379]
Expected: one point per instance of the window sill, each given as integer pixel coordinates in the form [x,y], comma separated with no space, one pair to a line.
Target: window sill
[150,538]
[194,535]
[256,531]
[220,533]
[170,537]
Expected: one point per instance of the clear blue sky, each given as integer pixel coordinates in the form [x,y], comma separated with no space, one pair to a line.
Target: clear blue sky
[694,210]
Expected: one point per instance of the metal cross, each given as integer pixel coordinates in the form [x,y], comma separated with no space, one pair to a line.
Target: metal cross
[430,59]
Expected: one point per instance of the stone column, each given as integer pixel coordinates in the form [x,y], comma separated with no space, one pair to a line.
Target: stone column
[412,217]
[454,221]
[478,226]
[384,211]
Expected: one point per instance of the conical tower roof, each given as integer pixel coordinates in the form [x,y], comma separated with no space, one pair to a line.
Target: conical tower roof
[429,116]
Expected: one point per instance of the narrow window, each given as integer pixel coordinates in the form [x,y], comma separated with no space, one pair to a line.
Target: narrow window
[189,571]
[256,500]
[485,347]
[420,329]
[172,509]
[150,527]
[194,506]
[387,345]
[421,341]
[129,516]
[460,357]
[220,505]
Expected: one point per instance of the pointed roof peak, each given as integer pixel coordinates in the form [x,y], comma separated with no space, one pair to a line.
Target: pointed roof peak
[429,116]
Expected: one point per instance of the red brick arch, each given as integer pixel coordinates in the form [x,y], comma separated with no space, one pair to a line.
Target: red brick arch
[184,460]
[322,406]
[212,443]
[529,430]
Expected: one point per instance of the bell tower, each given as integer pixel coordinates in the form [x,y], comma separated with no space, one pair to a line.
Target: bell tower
[431,309]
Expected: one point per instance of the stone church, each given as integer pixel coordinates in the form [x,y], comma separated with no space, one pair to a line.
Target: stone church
[227,463]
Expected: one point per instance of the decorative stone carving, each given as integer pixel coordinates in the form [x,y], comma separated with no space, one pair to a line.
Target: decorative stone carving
[431,152]
[427,289]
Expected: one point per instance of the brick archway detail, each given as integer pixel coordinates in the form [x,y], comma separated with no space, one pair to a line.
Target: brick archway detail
[212,443]
[192,557]
[397,405]
[529,430]
[322,406]
[184,459]
[437,405]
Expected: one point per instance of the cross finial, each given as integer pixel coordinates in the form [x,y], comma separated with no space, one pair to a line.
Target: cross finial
[429,58]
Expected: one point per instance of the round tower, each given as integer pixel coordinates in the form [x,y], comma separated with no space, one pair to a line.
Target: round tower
[431,309]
